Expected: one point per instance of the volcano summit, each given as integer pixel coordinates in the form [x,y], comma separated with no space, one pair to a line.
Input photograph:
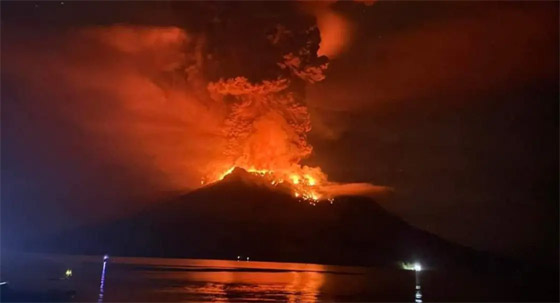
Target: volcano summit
[244,215]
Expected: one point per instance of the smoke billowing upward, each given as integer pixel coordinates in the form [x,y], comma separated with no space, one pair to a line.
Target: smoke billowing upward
[106,106]
[183,104]
[268,121]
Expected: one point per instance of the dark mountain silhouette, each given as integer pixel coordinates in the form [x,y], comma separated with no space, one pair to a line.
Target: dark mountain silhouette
[243,216]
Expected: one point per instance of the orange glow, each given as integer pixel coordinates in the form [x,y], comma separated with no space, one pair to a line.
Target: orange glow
[266,131]
[285,282]
[335,29]
[160,115]
[335,33]
[310,180]
[227,172]
[295,179]
[301,180]
[261,172]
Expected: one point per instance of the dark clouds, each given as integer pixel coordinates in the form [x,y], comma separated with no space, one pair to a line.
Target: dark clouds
[109,110]
[483,48]
[455,105]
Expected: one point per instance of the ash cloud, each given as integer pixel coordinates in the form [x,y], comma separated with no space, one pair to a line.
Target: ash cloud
[134,92]
[100,119]
[171,104]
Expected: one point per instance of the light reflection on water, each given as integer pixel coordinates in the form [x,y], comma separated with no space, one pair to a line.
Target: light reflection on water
[33,276]
[417,288]
[225,286]
[166,280]
[225,281]
[232,281]
[102,283]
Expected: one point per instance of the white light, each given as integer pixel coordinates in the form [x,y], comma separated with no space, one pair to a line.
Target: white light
[411,266]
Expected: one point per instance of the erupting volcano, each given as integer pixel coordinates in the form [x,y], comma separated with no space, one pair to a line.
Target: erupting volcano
[266,134]
[243,214]
[304,187]
[186,105]
[255,131]
[268,121]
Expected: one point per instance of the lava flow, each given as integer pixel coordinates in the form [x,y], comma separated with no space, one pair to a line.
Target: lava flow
[303,186]
[267,121]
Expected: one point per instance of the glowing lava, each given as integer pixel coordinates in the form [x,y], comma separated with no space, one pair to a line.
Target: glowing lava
[266,132]
[303,185]
[266,123]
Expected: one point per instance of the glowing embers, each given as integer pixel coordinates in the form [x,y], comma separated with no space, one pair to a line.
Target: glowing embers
[310,180]
[304,185]
[305,179]
[260,172]
[308,196]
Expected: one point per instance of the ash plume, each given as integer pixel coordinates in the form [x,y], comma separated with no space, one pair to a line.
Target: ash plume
[181,103]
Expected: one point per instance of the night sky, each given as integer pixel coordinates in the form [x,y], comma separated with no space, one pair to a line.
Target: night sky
[452,104]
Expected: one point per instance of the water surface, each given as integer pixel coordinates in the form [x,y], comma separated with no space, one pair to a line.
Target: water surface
[35,277]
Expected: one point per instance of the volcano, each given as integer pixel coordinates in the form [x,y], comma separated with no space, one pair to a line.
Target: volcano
[242,215]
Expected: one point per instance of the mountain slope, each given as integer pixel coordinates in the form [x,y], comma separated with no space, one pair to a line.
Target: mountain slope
[241,215]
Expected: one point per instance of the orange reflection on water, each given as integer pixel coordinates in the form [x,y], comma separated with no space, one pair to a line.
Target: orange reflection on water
[305,287]
[231,281]
[223,286]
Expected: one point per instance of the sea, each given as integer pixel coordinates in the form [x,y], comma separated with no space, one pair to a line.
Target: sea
[31,277]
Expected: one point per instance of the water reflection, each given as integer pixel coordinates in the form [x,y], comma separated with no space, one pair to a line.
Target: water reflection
[102,284]
[305,287]
[174,280]
[417,288]
[242,284]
